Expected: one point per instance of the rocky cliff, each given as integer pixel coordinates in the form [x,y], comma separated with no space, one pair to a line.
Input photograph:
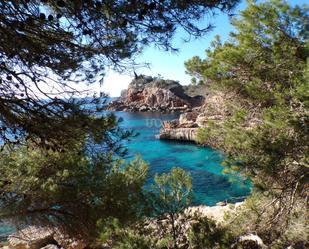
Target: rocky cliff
[153,94]
[214,109]
[217,107]
[38,237]
[184,129]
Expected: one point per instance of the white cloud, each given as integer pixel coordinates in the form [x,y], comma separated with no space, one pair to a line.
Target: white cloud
[113,83]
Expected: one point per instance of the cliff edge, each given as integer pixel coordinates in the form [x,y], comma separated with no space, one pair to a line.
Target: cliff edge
[146,93]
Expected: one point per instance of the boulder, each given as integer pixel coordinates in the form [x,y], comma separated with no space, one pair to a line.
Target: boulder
[50,246]
[32,237]
[67,242]
[188,118]
[251,241]
[36,237]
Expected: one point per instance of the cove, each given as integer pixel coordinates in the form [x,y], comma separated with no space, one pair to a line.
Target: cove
[209,184]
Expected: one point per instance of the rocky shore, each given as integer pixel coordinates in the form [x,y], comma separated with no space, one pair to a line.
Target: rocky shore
[214,109]
[183,129]
[36,237]
[146,93]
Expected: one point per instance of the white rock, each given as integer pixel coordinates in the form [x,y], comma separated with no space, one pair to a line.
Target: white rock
[188,117]
[31,237]
[50,246]
[67,242]
[182,134]
[216,213]
[254,238]
[5,247]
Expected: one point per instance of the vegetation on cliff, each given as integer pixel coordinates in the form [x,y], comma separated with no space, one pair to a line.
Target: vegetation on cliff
[146,93]
[264,65]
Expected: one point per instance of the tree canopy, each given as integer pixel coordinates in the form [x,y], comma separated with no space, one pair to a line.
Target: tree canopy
[58,161]
[47,45]
[58,164]
[70,190]
[264,67]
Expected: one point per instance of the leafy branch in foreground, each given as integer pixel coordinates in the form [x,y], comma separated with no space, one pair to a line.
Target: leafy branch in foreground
[70,190]
[172,194]
[172,224]
[47,46]
[167,199]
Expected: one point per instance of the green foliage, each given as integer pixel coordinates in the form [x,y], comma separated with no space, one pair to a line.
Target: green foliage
[168,198]
[257,215]
[47,46]
[201,233]
[204,233]
[264,58]
[174,190]
[195,68]
[69,189]
[264,66]
[172,194]
[115,236]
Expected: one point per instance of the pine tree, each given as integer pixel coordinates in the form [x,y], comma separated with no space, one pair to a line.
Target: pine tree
[48,45]
[264,66]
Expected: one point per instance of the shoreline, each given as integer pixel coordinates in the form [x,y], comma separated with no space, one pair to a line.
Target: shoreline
[216,213]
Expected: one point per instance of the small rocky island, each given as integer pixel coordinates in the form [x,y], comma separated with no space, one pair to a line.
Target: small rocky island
[146,93]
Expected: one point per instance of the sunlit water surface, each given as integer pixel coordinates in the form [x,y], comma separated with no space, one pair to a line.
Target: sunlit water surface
[204,164]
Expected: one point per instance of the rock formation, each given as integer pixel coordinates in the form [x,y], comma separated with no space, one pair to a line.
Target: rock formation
[182,134]
[184,129]
[251,241]
[153,94]
[36,237]
[31,237]
[214,109]
[216,213]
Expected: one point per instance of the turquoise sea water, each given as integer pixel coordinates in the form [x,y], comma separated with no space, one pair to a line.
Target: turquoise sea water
[5,230]
[209,184]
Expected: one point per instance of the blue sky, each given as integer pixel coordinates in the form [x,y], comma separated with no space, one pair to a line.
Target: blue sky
[171,65]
